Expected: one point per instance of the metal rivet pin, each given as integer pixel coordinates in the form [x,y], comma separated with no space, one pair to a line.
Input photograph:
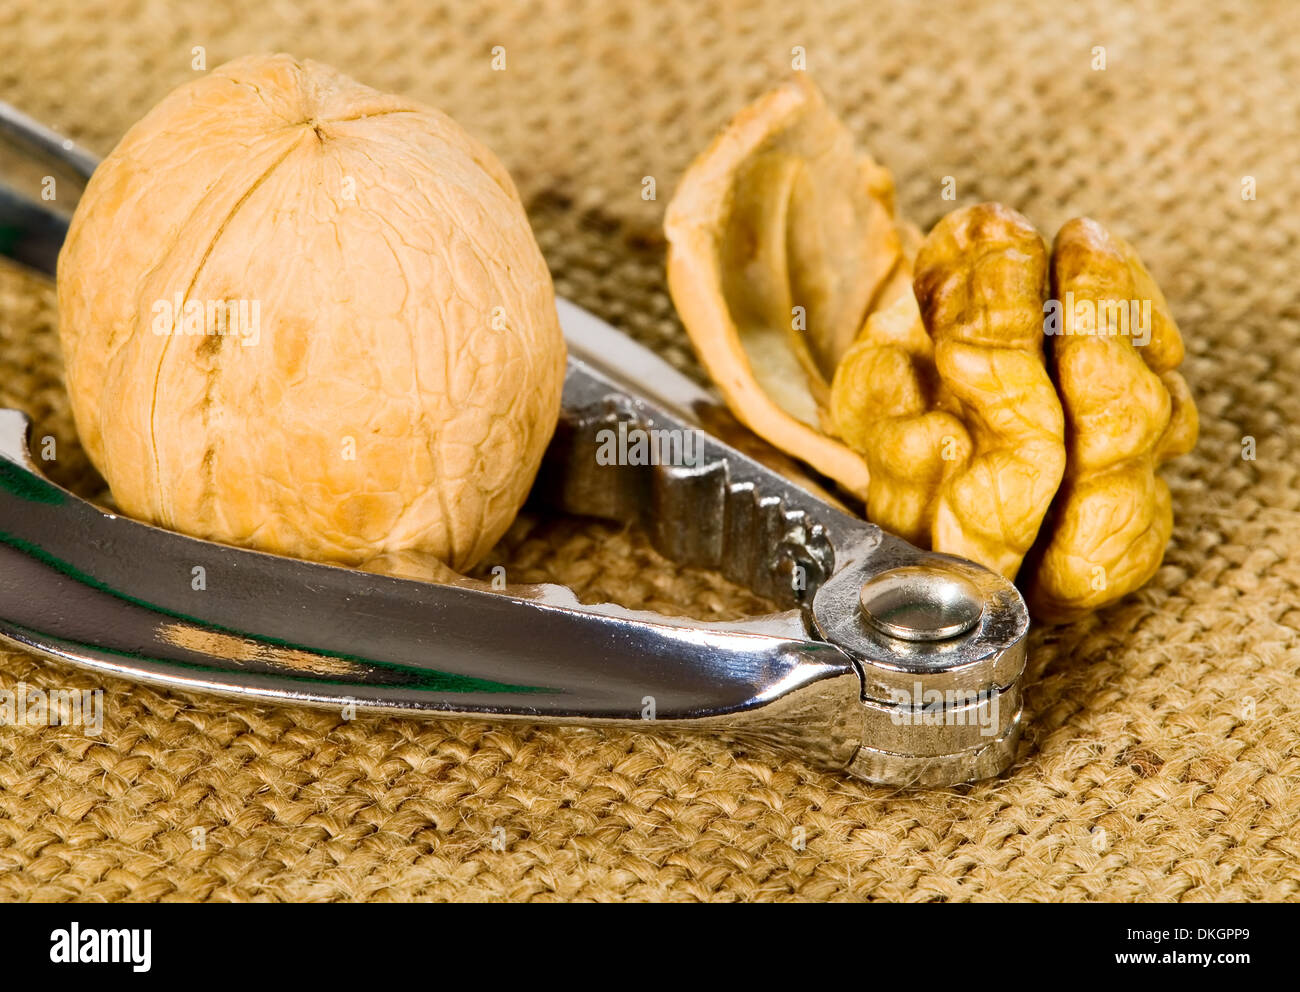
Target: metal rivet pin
[921,603]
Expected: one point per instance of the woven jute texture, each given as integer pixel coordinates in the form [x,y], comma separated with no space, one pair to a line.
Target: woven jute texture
[1160,761]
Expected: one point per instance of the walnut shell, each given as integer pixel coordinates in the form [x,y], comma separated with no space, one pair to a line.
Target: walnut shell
[782,237]
[390,374]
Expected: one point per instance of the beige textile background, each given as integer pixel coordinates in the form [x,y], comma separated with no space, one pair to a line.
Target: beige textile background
[1161,757]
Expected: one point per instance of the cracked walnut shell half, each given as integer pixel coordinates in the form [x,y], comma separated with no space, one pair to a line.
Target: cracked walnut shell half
[781,239]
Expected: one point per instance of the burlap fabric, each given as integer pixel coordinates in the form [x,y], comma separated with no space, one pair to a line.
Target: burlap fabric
[1161,758]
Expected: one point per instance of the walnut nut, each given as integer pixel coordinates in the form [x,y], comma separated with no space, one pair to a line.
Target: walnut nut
[405,374]
[977,434]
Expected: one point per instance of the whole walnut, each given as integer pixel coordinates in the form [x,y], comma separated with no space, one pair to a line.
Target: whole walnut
[310,318]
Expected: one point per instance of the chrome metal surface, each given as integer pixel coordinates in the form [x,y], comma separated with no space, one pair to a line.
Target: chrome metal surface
[44,143]
[897,665]
[876,765]
[921,603]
